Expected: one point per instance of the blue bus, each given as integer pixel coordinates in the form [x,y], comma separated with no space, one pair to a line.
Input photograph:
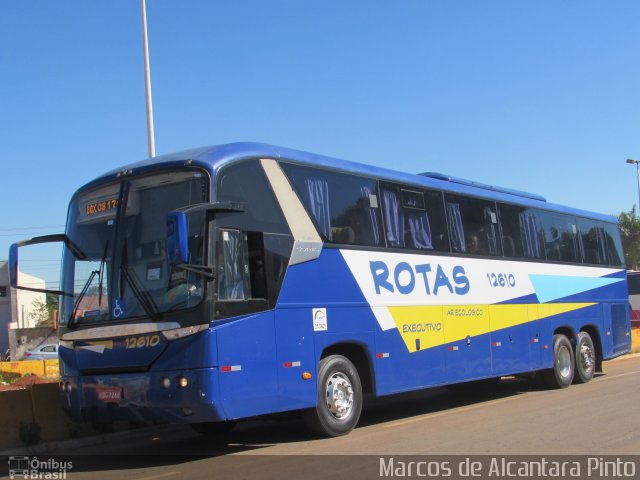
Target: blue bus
[227,282]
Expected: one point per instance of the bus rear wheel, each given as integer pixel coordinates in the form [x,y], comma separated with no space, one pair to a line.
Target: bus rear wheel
[339,398]
[561,375]
[585,358]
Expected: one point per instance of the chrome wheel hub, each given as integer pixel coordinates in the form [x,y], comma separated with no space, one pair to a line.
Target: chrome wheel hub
[564,362]
[586,357]
[339,395]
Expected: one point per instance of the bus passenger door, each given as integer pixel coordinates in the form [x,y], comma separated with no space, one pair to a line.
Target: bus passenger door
[295,355]
[246,339]
[246,359]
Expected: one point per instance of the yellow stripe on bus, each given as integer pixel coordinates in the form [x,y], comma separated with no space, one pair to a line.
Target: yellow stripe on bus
[438,325]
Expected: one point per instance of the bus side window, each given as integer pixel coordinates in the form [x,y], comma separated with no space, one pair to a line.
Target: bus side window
[241,265]
[232,264]
[560,237]
[473,225]
[344,208]
[593,242]
[256,260]
[520,232]
[614,244]
[413,217]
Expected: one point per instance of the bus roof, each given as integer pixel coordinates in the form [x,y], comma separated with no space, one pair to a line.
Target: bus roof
[215,157]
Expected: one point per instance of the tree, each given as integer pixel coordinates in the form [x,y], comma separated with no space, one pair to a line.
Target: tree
[42,313]
[39,313]
[630,230]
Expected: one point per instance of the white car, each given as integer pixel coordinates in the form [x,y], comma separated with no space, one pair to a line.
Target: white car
[48,351]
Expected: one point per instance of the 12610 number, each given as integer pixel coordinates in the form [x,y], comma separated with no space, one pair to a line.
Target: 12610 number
[501,279]
[142,342]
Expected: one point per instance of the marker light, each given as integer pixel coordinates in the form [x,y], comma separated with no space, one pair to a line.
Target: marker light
[306,376]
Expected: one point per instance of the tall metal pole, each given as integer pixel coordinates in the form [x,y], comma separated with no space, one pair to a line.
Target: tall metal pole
[637,162]
[638,174]
[147,77]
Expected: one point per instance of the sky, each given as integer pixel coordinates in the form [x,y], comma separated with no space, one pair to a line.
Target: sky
[541,96]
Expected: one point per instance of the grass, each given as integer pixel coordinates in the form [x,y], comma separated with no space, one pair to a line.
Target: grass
[7,378]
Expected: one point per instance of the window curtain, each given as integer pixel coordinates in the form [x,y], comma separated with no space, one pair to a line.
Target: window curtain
[529,235]
[490,231]
[371,214]
[455,227]
[394,218]
[602,246]
[317,199]
[420,229]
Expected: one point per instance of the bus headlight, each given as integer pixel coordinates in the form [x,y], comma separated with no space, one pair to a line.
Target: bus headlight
[166,383]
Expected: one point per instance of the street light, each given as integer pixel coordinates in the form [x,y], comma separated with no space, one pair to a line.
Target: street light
[147,82]
[637,162]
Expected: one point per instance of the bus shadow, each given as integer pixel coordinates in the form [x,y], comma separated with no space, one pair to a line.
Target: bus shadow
[439,400]
[179,444]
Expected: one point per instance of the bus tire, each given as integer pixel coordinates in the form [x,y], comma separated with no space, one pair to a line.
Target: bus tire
[339,398]
[214,429]
[585,358]
[561,375]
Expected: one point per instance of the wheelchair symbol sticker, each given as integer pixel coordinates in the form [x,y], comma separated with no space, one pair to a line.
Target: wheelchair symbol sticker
[119,308]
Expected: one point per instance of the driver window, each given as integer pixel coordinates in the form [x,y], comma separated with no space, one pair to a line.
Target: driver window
[232,264]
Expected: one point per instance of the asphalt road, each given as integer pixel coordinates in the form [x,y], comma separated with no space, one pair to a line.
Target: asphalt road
[599,418]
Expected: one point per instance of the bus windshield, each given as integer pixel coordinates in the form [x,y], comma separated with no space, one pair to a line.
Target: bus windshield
[121,227]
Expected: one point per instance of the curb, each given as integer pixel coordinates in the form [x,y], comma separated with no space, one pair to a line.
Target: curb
[92,440]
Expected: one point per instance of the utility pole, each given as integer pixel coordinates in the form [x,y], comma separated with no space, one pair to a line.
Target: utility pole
[637,163]
[147,77]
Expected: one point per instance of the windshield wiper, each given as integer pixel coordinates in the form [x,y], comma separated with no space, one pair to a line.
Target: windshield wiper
[143,297]
[198,269]
[72,322]
[102,262]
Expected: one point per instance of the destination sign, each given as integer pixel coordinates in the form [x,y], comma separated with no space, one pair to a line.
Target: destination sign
[100,206]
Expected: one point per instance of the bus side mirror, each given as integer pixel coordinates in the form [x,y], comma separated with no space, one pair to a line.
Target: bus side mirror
[13,265]
[37,248]
[177,238]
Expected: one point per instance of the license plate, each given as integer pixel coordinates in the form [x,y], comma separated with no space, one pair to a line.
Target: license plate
[109,394]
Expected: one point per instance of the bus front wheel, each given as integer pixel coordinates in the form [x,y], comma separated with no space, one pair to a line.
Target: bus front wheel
[561,375]
[339,398]
[585,358]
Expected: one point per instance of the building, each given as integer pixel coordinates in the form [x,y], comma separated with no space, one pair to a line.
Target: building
[15,305]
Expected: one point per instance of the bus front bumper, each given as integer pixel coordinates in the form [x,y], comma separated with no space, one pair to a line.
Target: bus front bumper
[170,396]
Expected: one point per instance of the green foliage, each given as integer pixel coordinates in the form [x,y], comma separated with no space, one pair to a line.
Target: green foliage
[42,313]
[39,313]
[8,378]
[630,230]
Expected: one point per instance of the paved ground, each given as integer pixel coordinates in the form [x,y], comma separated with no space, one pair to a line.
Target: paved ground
[599,418]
